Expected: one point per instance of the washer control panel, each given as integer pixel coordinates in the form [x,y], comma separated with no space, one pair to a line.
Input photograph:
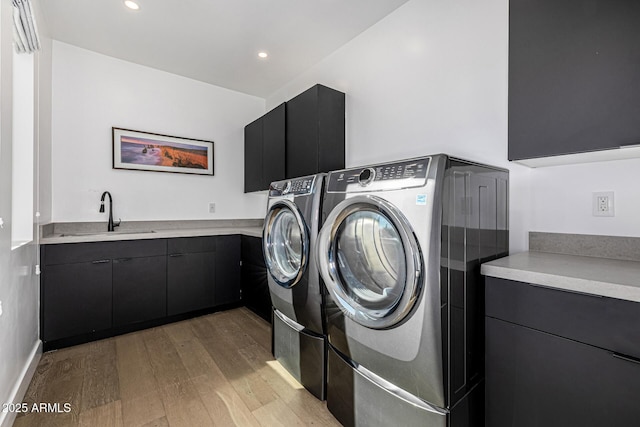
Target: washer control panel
[296,186]
[388,176]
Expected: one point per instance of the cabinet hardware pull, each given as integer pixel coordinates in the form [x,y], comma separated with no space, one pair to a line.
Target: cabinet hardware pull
[101,261]
[570,291]
[122,260]
[627,358]
[175,255]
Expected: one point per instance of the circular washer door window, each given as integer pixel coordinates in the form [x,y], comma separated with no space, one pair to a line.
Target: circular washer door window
[285,244]
[370,261]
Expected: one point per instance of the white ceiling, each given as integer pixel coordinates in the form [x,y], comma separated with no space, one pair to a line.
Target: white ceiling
[217,41]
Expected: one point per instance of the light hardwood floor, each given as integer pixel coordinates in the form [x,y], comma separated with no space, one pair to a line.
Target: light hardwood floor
[215,370]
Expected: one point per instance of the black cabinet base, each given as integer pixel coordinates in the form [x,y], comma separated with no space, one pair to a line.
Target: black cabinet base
[121,330]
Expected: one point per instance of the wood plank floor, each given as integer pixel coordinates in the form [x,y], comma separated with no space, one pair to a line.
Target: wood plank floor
[215,370]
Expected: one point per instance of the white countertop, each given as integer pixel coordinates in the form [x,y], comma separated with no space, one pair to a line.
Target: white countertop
[591,275]
[156,234]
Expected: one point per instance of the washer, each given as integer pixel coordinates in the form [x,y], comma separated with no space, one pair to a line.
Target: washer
[400,253]
[289,237]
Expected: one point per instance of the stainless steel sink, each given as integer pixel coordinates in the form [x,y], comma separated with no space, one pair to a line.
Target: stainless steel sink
[105,233]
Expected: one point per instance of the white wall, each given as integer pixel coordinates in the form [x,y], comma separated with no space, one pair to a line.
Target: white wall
[19,291]
[431,77]
[93,93]
[561,199]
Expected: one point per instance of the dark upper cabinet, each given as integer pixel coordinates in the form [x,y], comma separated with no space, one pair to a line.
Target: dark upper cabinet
[264,150]
[315,132]
[573,76]
[304,136]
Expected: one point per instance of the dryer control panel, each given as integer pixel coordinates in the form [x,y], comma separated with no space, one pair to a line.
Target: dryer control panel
[388,176]
[294,186]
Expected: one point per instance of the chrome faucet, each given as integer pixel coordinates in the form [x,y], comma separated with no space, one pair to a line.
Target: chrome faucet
[110,224]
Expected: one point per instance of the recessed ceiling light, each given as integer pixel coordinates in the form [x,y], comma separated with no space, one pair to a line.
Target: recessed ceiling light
[263,54]
[131,5]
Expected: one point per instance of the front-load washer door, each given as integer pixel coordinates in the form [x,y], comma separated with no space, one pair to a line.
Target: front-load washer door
[370,261]
[285,243]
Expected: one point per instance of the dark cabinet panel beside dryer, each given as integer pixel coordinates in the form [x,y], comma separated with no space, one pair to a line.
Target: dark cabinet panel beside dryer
[255,290]
[315,132]
[536,379]
[559,358]
[228,274]
[264,150]
[573,76]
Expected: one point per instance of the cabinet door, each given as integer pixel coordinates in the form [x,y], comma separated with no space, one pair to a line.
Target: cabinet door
[255,290]
[190,281]
[572,87]
[315,132]
[228,278]
[76,299]
[139,289]
[253,156]
[273,146]
[535,379]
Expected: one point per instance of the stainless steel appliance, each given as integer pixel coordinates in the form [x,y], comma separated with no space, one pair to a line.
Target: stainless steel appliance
[289,237]
[400,253]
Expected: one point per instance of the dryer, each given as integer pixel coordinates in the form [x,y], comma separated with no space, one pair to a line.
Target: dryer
[400,253]
[289,237]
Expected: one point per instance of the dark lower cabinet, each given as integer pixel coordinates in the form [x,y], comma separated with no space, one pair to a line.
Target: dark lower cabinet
[543,374]
[203,272]
[139,289]
[94,290]
[190,281]
[255,289]
[228,274]
[76,299]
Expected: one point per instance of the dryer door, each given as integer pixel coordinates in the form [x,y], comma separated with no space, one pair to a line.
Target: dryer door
[370,261]
[285,243]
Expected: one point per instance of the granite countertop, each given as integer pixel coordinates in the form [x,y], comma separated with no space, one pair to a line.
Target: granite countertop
[96,232]
[587,274]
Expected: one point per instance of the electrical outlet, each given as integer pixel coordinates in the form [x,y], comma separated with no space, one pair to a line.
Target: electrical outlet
[603,204]
[212,208]
[0,308]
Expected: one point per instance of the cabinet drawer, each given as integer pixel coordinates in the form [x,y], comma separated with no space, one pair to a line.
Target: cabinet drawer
[140,248]
[603,322]
[183,245]
[69,253]
[534,379]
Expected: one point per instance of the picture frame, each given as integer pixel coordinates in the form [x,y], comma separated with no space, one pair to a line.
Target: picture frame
[146,151]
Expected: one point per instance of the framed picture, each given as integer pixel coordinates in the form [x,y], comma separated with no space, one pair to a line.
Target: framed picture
[161,153]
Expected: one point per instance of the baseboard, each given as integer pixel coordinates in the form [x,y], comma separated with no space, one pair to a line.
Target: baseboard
[20,388]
